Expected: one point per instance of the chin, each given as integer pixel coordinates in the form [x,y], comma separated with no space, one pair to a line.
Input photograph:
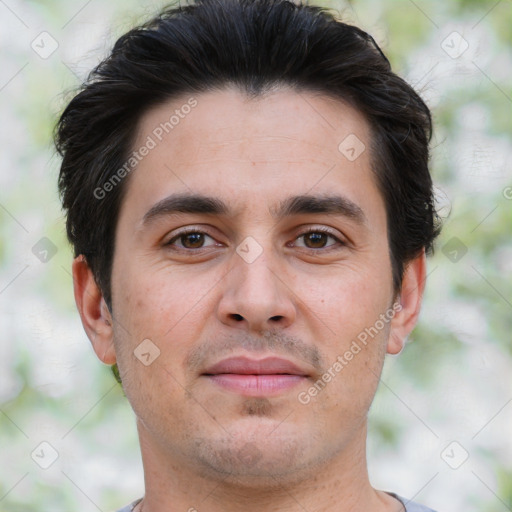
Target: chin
[258,453]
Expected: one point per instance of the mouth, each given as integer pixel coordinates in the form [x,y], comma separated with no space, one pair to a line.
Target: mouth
[257,378]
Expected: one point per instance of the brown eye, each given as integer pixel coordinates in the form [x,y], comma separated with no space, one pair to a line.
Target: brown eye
[192,240]
[189,240]
[318,239]
[315,240]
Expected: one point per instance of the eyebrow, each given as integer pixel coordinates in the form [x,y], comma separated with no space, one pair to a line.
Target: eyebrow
[295,205]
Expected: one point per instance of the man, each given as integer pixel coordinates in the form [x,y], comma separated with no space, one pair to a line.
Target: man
[250,205]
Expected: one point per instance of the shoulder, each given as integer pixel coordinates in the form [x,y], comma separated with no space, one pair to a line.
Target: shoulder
[130,507]
[411,506]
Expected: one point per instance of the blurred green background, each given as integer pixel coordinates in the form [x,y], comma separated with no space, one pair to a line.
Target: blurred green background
[440,427]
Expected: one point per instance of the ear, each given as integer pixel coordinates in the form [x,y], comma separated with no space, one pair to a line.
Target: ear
[96,317]
[407,303]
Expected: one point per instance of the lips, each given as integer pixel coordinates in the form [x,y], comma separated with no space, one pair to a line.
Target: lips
[246,366]
[251,377]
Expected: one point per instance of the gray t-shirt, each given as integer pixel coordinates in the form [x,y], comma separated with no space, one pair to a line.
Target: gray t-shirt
[410,506]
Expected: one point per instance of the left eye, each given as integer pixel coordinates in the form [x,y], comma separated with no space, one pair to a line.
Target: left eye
[317,239]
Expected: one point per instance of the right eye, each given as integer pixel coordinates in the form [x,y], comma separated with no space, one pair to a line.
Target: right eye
[189,240]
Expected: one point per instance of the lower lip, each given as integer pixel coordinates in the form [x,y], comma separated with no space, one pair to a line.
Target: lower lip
[256,385]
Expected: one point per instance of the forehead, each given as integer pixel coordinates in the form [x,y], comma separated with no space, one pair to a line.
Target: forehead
[279,117]
[245,149]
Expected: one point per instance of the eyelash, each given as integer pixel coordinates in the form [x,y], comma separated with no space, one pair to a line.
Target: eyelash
[309,230]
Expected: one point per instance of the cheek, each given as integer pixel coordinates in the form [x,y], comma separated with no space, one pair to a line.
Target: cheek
[157,323]
[351,334]
[155,302]
[348,300]
[171,309]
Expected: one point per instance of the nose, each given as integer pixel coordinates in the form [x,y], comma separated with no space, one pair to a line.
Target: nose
[256,296]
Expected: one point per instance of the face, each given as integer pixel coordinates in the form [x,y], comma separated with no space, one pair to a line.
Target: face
[251,289]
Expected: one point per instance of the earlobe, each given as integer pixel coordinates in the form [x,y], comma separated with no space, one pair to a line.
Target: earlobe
[411,293]
[94,313]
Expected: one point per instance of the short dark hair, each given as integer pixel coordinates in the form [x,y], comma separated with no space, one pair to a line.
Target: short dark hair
[254,45]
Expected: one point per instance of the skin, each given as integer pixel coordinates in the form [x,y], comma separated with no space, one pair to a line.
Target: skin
[200,301]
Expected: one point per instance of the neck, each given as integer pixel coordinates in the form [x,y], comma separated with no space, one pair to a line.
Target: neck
[339,484]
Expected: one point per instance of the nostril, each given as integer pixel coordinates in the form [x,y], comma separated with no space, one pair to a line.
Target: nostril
[238,317]
[276,318]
